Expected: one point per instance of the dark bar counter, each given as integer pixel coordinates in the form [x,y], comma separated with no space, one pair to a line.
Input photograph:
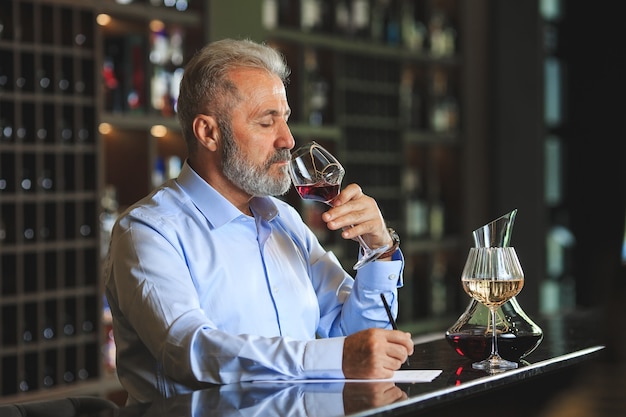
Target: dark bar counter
[568,343]
[570,347]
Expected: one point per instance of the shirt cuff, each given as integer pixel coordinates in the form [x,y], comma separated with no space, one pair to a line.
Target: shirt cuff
[383,275]
[323,358]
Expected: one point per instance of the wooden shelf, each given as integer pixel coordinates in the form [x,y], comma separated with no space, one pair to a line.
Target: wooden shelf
[359,47]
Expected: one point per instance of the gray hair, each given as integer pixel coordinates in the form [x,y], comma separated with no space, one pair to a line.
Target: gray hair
[205,87]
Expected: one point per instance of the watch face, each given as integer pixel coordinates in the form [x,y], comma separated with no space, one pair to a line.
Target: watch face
[394,237]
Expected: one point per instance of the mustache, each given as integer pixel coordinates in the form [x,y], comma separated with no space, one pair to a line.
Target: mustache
[282,155]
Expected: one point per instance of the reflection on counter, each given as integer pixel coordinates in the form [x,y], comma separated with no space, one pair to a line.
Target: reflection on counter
[273,399]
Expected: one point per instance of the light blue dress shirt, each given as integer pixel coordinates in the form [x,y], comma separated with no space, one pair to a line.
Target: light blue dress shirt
[201,293]
[252,399]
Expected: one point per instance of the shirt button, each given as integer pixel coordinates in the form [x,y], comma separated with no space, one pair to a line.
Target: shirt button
[392,277]
[275,289]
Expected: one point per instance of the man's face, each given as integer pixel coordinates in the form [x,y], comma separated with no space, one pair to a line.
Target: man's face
[256,142]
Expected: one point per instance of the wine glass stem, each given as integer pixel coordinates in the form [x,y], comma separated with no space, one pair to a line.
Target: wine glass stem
[368,253]
[494,338]
[364,245]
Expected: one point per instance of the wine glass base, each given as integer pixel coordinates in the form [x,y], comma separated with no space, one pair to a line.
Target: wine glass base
[369,256]
[494,364]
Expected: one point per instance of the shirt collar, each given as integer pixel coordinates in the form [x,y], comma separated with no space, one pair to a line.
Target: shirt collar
[215,208]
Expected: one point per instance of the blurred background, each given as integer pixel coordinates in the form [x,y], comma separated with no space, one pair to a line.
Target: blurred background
[450,113]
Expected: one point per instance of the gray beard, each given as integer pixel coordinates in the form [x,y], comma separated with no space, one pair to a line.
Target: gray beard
[254,180]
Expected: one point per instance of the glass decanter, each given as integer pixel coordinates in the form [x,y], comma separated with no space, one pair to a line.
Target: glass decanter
[517,334]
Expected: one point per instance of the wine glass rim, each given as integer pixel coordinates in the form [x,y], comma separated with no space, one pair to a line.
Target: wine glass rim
[500,263]
[305,148]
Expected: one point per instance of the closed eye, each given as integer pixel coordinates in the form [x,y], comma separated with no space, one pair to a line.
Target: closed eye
[269,119]
[267,122]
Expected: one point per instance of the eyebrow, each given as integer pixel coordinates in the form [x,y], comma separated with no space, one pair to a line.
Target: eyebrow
[277,113]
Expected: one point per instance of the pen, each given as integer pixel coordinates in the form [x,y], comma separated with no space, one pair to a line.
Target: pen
[391,319]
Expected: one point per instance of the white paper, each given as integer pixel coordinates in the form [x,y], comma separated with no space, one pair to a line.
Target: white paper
[408,375]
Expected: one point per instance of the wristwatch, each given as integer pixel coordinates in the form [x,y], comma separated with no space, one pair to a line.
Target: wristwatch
[394,246]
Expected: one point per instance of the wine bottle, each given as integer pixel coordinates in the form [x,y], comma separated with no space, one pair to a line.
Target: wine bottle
[416,212]
[48,376]
[27,332]
[410,101]
[316,90]
[413,31]
[158,172]
[6,21]
[6,130]
[342,18]
[438,288]
[42,134]
[392,24]
[437,213]
[85,230]
[45,180]
[68,376]
[4,72]
[174,165]
[68,325]
[48,331]
[65,131]
[288,14]
[135,71]
[26,182]
[87,326]
[65,76]
[377,21]
[43,80]
[444,109]
[310,14]
[441,34]
[3,229]
[361,17]
[29,323]
[269,14]
[64,83]
[111,74]
[25,383]
[326,22]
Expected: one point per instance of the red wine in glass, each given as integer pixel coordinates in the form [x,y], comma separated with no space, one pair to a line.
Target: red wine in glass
[322,192]
[316,174]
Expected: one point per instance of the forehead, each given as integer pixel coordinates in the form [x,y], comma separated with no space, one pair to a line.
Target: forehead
[254,82]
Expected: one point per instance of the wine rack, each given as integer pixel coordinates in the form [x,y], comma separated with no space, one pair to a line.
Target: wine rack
[49,181]
[67,129]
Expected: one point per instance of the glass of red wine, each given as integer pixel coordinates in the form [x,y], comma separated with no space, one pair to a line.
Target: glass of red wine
[317,174]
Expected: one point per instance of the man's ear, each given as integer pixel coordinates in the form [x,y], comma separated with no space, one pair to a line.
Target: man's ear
[206,131]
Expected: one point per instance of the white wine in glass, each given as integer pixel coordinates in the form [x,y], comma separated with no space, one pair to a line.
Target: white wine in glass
[492,276]
[317,174]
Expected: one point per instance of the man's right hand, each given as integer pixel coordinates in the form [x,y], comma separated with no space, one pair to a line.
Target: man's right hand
[375,353]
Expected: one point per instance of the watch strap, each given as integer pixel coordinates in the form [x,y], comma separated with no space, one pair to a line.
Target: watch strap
[394,246]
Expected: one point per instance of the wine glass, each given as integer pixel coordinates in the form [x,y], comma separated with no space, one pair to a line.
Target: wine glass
[317,174]
[492,276]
